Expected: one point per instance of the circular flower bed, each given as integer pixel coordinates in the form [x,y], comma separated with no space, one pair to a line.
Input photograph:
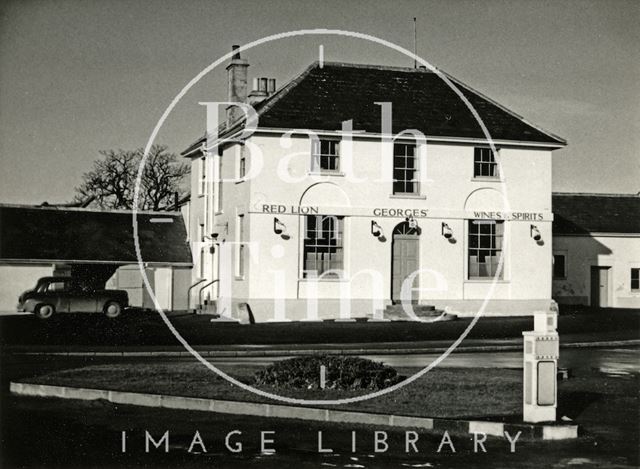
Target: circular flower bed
[341,373]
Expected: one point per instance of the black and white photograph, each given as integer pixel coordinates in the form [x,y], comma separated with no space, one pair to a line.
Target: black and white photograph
[340,234]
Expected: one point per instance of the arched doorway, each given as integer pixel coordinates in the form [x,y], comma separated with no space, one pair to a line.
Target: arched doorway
[405,258]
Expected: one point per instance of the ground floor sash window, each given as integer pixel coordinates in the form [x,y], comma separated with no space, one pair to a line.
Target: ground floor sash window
[323,246]
[485,248]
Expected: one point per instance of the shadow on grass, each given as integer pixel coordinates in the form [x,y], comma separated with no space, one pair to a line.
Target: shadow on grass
[574,403]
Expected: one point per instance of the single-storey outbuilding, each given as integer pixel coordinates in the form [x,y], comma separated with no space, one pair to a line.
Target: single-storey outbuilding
[596,249]
[98,248]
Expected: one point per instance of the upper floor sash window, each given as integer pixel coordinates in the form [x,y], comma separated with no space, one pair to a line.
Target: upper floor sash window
[325,155]
[484,163]
[405,169]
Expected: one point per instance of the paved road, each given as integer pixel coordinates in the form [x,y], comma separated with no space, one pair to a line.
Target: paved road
[148,330]
[609,360]
[622,360]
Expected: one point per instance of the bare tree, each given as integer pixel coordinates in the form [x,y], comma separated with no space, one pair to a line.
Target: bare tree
[112,180]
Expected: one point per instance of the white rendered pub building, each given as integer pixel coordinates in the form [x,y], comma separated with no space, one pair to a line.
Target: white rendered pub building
[360,186]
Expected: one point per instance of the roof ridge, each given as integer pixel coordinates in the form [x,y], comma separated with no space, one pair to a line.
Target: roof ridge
[376,66]
[595,194]
[90,209]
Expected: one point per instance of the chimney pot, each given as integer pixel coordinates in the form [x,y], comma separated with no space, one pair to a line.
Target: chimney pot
[236,52]
[263,87]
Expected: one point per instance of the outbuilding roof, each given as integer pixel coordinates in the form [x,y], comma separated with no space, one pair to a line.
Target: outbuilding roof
[581,214]
[73,235]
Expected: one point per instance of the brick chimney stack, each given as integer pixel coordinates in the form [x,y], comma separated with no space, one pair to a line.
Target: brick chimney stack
[237,84]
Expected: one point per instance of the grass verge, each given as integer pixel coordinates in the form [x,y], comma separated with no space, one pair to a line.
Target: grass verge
[454,393]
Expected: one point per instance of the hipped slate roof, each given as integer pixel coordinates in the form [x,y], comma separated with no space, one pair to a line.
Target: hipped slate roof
[581,214]
[321,98]
[49,234]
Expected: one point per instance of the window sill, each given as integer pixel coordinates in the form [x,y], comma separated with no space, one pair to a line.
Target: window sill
[326,173]
[486,281]
[487,179]
[239,278]
[329,280]
[408,196]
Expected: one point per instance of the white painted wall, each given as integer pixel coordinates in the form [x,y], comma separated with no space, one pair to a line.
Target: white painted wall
[620,253]
[128,278]
[161,280]
[15,279]
[450,193]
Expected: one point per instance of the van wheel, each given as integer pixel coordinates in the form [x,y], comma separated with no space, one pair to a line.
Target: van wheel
[45,311]
[112,309]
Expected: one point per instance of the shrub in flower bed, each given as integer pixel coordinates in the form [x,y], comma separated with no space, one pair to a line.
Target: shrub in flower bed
[341,373]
